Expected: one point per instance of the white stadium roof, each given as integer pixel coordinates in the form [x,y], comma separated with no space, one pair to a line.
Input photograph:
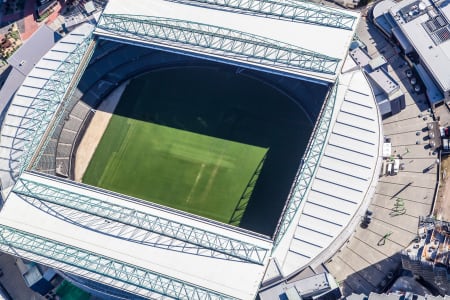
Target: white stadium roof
[154,251]
[324,40]
[344,180]
[215,273]
[35,102]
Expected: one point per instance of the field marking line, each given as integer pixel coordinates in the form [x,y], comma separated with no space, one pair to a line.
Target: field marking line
[213,175]
[95,131]
[197,179]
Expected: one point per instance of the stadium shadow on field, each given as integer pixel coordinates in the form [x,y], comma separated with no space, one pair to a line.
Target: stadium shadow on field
[243,107]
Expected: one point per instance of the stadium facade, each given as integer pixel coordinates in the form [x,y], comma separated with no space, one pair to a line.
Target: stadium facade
[96,236]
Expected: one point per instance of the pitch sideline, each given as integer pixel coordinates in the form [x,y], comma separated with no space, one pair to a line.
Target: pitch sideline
[95,131]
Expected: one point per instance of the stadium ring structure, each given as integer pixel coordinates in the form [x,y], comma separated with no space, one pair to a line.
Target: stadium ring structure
[93,235]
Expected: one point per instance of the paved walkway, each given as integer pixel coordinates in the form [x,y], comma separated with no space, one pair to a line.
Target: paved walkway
[366,261]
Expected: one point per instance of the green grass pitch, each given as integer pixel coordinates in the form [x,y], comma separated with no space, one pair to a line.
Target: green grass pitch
[196,173]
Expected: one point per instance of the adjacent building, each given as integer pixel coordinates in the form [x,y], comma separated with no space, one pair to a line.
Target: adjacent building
[427,255]
[422,31]
[317,286]
[389,96]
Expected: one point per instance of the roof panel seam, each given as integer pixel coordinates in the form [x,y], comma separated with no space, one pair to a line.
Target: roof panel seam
[353,138]
[357,115]
[333,196]
[10,147]
[358,92]
[354,126]
[38,67]
[338,184]
[327,207]
[344,148]
[322,219]
[347,161]
[61,51]
[343,173]
[316,231]
[69,42]
[301,254]
[307,242]
[10,159]
[17,115]
[52,59]
[33,86]
[31,75]
[356,103]
[21,126]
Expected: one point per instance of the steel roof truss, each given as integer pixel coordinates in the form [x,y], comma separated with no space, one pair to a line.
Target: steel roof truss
[294,10]
[308,167]
[186,233]
[214,40]
[78,261]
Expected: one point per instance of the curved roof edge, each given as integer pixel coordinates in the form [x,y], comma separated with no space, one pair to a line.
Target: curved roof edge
[348,167]
[36,101]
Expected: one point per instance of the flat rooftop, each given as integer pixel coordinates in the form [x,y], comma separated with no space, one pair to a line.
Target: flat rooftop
[427,30]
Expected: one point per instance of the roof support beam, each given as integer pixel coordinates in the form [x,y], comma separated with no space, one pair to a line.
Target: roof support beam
[213,41]
[97,267]
[294,10]
[203,240]
[43,107]
[72,73]
[310,162]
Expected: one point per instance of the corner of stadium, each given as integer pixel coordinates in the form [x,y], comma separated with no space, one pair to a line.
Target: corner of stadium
[303,185]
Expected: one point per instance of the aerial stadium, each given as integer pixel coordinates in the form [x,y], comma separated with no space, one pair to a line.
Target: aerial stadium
[247,147]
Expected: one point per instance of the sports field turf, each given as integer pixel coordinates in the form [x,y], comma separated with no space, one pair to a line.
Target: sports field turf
[192,138]
[188,171]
